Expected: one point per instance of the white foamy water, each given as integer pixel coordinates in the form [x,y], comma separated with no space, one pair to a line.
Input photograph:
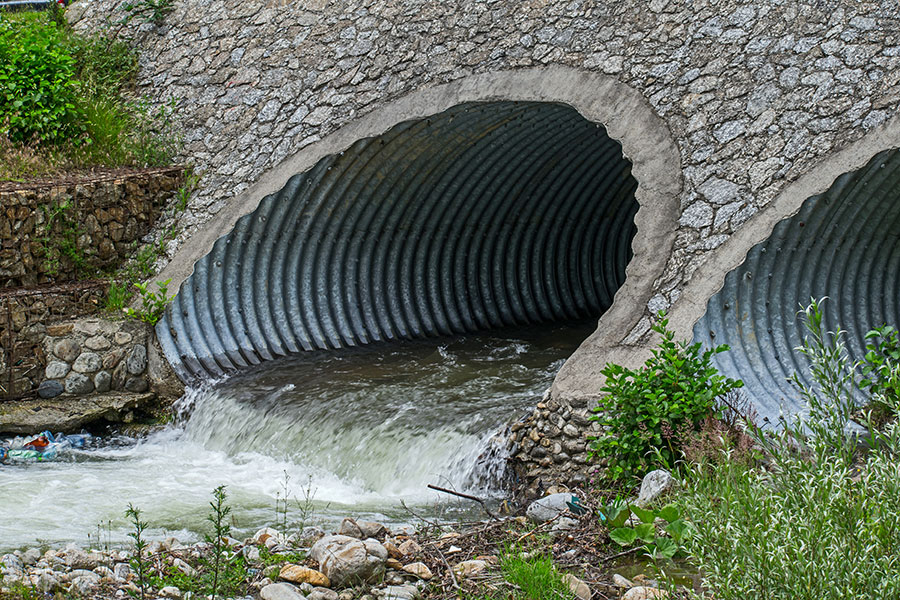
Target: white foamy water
[361,430]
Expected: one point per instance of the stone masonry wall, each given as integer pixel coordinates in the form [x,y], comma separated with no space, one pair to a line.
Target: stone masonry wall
[57,231]
[755,94]
[95,355]
[550,445]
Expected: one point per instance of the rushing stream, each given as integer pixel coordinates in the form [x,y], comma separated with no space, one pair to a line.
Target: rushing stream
[354,431]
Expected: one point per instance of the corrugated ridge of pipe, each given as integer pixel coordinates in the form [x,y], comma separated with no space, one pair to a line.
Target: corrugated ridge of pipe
[487,215]
[843,244]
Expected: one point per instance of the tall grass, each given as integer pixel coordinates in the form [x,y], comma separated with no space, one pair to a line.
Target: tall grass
[816,518]
[96,119]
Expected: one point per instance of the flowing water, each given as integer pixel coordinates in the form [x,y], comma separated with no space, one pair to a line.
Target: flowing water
[339,434]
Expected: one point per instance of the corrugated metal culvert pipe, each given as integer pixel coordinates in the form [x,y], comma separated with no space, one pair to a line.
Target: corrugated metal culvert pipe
[844,244]
[487,215]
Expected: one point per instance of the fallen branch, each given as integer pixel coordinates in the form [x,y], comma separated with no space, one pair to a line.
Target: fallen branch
[449,568]
[467,497]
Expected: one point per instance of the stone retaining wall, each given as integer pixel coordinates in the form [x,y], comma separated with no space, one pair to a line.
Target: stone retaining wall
[94,355]
[59,231]
[550,445]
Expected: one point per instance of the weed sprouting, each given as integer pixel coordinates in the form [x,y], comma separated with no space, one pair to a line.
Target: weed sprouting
[139,562]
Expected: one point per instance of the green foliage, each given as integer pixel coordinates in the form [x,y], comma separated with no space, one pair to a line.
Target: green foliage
[268,558]
[664,544]
[66,101]
[37,90]
[104,66]
[58,239]
[148,11]
[534,577]
[139,562]
[117,296]
[221,529]
[191,183]
[881,370]
[153,304]
[643,410]
[822,520]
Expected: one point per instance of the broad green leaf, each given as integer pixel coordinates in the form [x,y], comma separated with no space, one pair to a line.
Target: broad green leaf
[677,529]
[646,516]
[665,547]
[624,536]
[646,531]
[669,513]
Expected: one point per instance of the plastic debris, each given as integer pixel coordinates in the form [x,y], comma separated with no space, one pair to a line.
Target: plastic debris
[42,447]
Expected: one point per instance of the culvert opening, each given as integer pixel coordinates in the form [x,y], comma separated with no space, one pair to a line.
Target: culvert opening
[485,216]
[842,244]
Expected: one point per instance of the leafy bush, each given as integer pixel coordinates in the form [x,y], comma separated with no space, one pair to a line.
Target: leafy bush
[37,89]
[66,101]
[656,544]
[646,411]
[822,521]
[153,304]
[881,371]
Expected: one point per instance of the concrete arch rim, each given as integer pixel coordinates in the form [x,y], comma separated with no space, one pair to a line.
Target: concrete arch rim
[709,278]
[623,111]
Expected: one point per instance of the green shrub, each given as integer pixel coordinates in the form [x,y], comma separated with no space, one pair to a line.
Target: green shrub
[821,521]
[67,102]
[646,411]
[37,89]
[153,304]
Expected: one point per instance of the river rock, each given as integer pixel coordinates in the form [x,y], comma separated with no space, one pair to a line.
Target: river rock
[622,582]
[654,485]
[78,560]
[47,583]
[85,582]
[251,553]
[31,556]
[265,533]
[550,507]
[137,360]
[50,389]
[361,529]
[87,362]
[467,568]
[392,550]
[301,574]
[170,591]
[644,593]
[410,548]
[102,381]
[418,569]
[122,571]
[78,384]
[67,350]
[136,384]
[398,592]
[346,560]
[184,567]
[280,591]
[321,593]
[579,588]
[122,337]
[97,342]
[56,369]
